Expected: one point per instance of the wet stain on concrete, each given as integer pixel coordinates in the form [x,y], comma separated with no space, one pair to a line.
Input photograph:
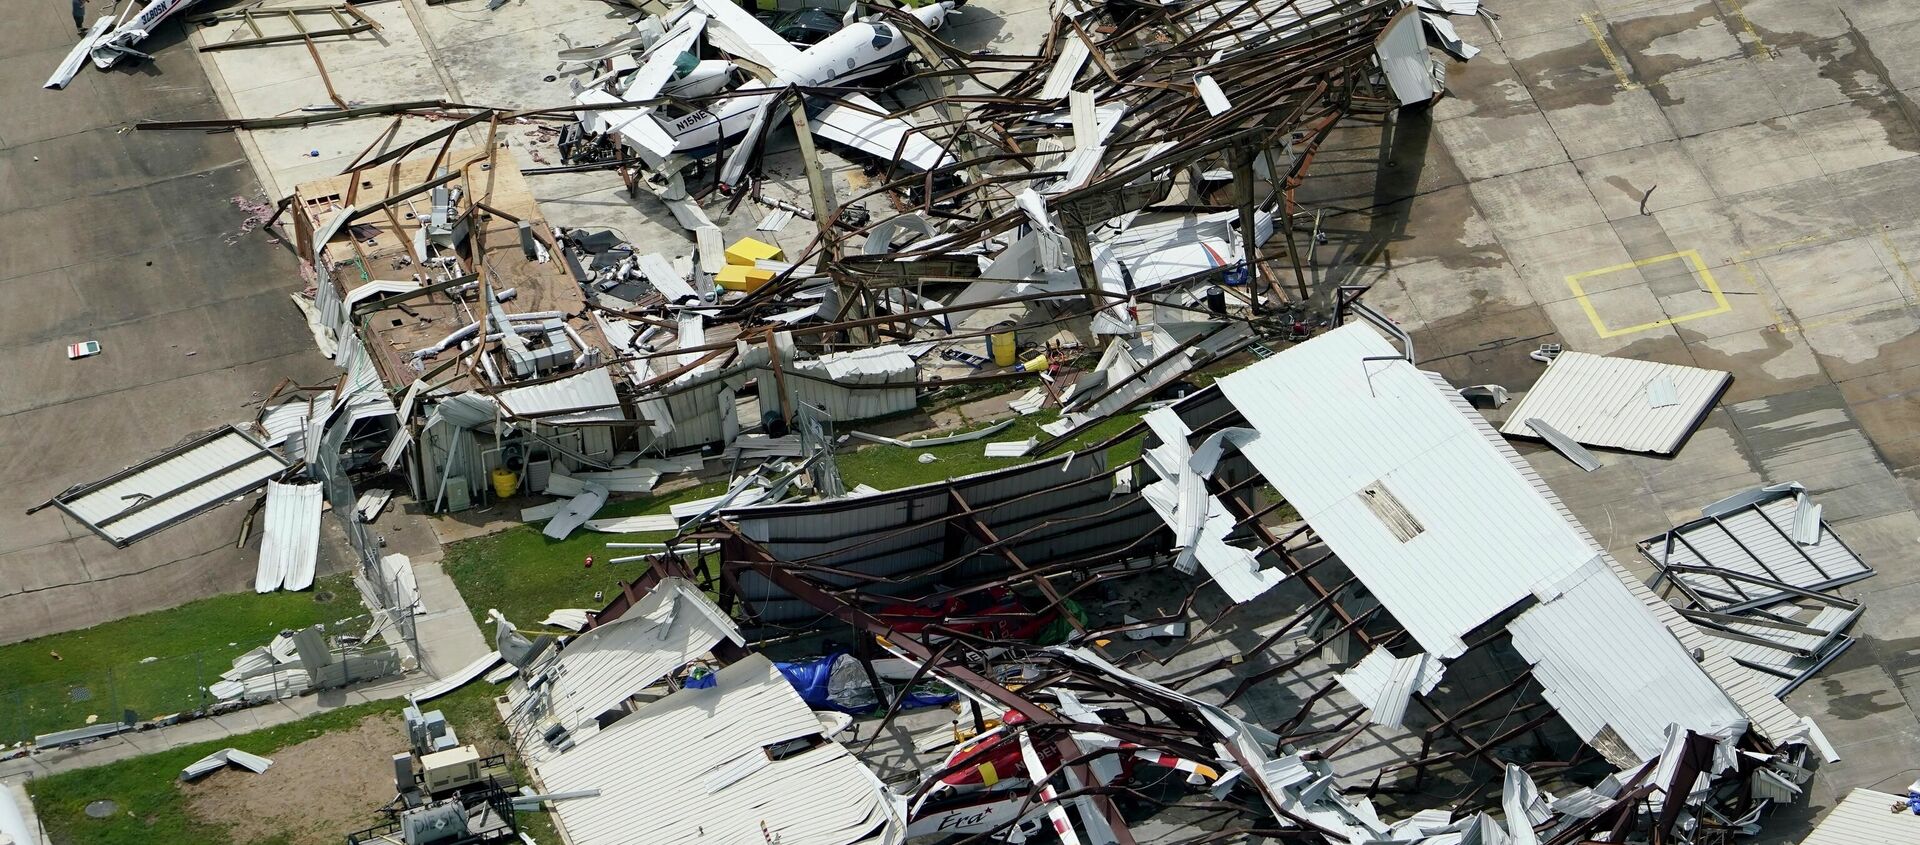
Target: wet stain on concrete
[1484,348]
[1626,187]
[1638,35]
[1849,706]
[1897,656]
[1751,380]
[1570,76]
[1862,77]
[1443,212]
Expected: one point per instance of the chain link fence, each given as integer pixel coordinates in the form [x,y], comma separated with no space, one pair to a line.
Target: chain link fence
[154,687]
[333,463]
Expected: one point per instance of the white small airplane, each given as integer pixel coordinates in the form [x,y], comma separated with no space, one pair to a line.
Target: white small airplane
[857,51]
[106,47]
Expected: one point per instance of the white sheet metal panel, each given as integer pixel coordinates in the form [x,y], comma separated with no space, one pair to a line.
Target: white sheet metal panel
[576,512]
[1862,818]
[1751,691]
[1333,424]
[1604,661]
[290,541]
[1211,94]
[174,486]
[289,418]
[634,524]
[1601,401]
[1402,51]
[1806,521]
[1067,63]
[670,627]
[589,395]
[205,765]
[655,772]
[458,679]
[1449,38]
[661,275]
[889,364]
[1788,666]
[1236,571]
[1757,541]
[1385,684]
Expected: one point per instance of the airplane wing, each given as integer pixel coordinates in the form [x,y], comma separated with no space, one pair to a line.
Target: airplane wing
[70,66]
[861,124]
[635,125]
[745,36]
[656,70]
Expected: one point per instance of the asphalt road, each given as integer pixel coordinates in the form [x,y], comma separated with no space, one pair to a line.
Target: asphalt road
[128,238]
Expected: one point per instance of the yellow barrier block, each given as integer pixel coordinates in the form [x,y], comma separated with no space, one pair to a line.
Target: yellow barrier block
[747,250]
[742,277]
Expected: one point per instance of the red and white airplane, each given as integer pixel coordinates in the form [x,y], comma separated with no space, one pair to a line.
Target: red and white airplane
[858,50]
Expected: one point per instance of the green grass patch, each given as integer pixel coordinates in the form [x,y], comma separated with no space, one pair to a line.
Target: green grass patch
[526,576]
[152,809]
[891,467]
[99,673]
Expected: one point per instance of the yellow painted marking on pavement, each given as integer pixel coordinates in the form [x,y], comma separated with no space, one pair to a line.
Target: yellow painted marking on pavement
[1767,301]
[1613,61]
[1721,306]
[1902,262]
[1747,24]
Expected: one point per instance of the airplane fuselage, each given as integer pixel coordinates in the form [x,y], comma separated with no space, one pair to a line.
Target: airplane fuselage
[859,50]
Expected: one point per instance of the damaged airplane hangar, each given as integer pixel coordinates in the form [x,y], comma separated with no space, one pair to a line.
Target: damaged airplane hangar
[1326,602]
[1285,713]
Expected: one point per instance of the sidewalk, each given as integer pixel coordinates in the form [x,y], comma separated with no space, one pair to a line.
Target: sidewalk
[449,640]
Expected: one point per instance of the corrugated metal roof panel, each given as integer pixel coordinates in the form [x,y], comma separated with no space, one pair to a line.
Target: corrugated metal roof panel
[1636,680]
[1334,423]
[1751,691]
[672,625]
[1384,683]
[1603,401]
[1344,414]
[1755,540]
[654,769]
[1863,818]
[290,542]
[203,474]
[589,396]
[289,418]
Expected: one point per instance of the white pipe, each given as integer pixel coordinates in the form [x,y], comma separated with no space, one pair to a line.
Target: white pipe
[464,332]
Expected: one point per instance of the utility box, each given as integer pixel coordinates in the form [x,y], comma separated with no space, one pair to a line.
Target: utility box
[447,771]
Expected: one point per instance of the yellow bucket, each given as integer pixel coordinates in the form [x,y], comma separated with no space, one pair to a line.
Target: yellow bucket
[1036,364]
[505,481]
[1001,345]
